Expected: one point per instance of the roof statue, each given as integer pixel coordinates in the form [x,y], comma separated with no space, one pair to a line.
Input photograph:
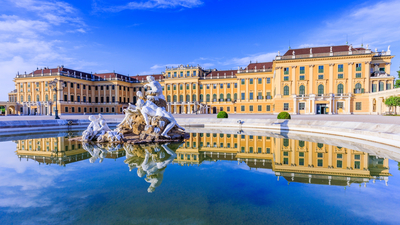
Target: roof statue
[310,51]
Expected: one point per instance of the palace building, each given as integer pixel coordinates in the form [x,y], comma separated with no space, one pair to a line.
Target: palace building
[319,80]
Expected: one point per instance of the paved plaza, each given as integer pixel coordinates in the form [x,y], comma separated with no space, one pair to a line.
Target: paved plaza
[345,118]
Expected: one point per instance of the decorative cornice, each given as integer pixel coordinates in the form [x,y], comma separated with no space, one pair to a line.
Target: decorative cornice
[350,63]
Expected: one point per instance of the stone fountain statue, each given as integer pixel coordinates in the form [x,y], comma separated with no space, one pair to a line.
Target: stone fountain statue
[147,121]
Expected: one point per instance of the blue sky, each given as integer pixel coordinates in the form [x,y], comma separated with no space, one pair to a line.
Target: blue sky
[143,36]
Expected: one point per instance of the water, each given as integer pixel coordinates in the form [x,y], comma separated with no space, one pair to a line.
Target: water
[211,178]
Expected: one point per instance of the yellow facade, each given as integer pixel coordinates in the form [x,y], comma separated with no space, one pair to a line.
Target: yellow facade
[337,80]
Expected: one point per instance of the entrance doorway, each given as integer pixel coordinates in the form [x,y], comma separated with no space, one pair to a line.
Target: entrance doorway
[214,110]
[340,107]
[321,109]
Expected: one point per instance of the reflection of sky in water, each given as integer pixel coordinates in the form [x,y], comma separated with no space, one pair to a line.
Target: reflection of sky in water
[220,192]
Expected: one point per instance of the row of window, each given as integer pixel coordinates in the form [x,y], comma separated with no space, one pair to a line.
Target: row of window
[302,69]
[321,76]
[215,97]
[321,91]
[85,110]
[181,74]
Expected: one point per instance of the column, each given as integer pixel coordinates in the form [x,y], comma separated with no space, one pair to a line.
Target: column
[367,69]
[190,95]
[349,105]
[6,112]
[264,91]
[330,156]
[331,66]
[75,92]
[81,87]
[131,94]
[350,77]
[104,94]
[310,154]
[69,90]
[87,93]
[277,81]
[311,74]
[218,87]
[255,92]
[239,93]
[294,104]
[111,94]
[294,80]
[247,81]
[93,93]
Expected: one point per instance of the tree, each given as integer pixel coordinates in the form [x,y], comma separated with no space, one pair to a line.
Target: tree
[393,101]
[397,84]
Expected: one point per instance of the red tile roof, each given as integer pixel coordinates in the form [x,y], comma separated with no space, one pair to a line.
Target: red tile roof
[221,73]
[268,65]
[143,77]
[325,49]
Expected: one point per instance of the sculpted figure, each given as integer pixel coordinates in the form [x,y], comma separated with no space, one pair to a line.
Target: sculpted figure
[156,89]
[102,131]
[150,109]
[92,129]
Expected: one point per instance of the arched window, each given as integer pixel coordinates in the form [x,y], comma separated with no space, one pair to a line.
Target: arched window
[174,87]
[381,86]
[201,86]
[37,98]
[201,97]
[214,97]
[181,98]
[302,90]
[207,97]
[181,87]
[194,98]
[286,142]
[358,88]
[320,89]
[175,98]
[320,145]
[169,98]
[301,144]
[46,98]
[22,98]
[188,98]
[29,98]
[228,97]
[194,86]
[286,90]
[340,89]
[168,87]
[221,97]
[235,96]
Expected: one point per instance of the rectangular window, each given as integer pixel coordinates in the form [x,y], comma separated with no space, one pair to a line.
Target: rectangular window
[73,109]
[320,69]
[357,165]
[320,77]
[228,85]
[286,78]
[301,154]
[339,164]
[285,106]
[302,106]
[251,108]
[268,108]
[285,161]
[374,88]
[285,153]
[242,108]
[382,69]
[357,157]
[302,77]
[268,150]
[242,149]
[243,82]
[286,70]
[215,86]
[320,162]
[358,75]
[301,162]
[221,85]
[259,108]
[320,155]
[259,81]
[181,74]
[358,105]
[242,95]
[302,70]
[228,109]
[340,76]
[339,156]
[188,73]
[66,109]
[388,86]
[268,80]
[194,73]
[340,68]
[251,95]
[251,81]
[358,66]
[174,74]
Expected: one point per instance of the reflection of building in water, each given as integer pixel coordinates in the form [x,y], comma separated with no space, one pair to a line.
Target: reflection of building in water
[296,161]
[56,150]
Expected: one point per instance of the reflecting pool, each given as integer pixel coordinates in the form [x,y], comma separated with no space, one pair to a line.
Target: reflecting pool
[214,177]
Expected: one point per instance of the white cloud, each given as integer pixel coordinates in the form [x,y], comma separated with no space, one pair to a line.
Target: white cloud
[27,39]
[157,69]
[375,24]
[150,4]
[244,61]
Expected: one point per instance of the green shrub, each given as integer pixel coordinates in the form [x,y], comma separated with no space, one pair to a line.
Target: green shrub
[222,114]
[284,116]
